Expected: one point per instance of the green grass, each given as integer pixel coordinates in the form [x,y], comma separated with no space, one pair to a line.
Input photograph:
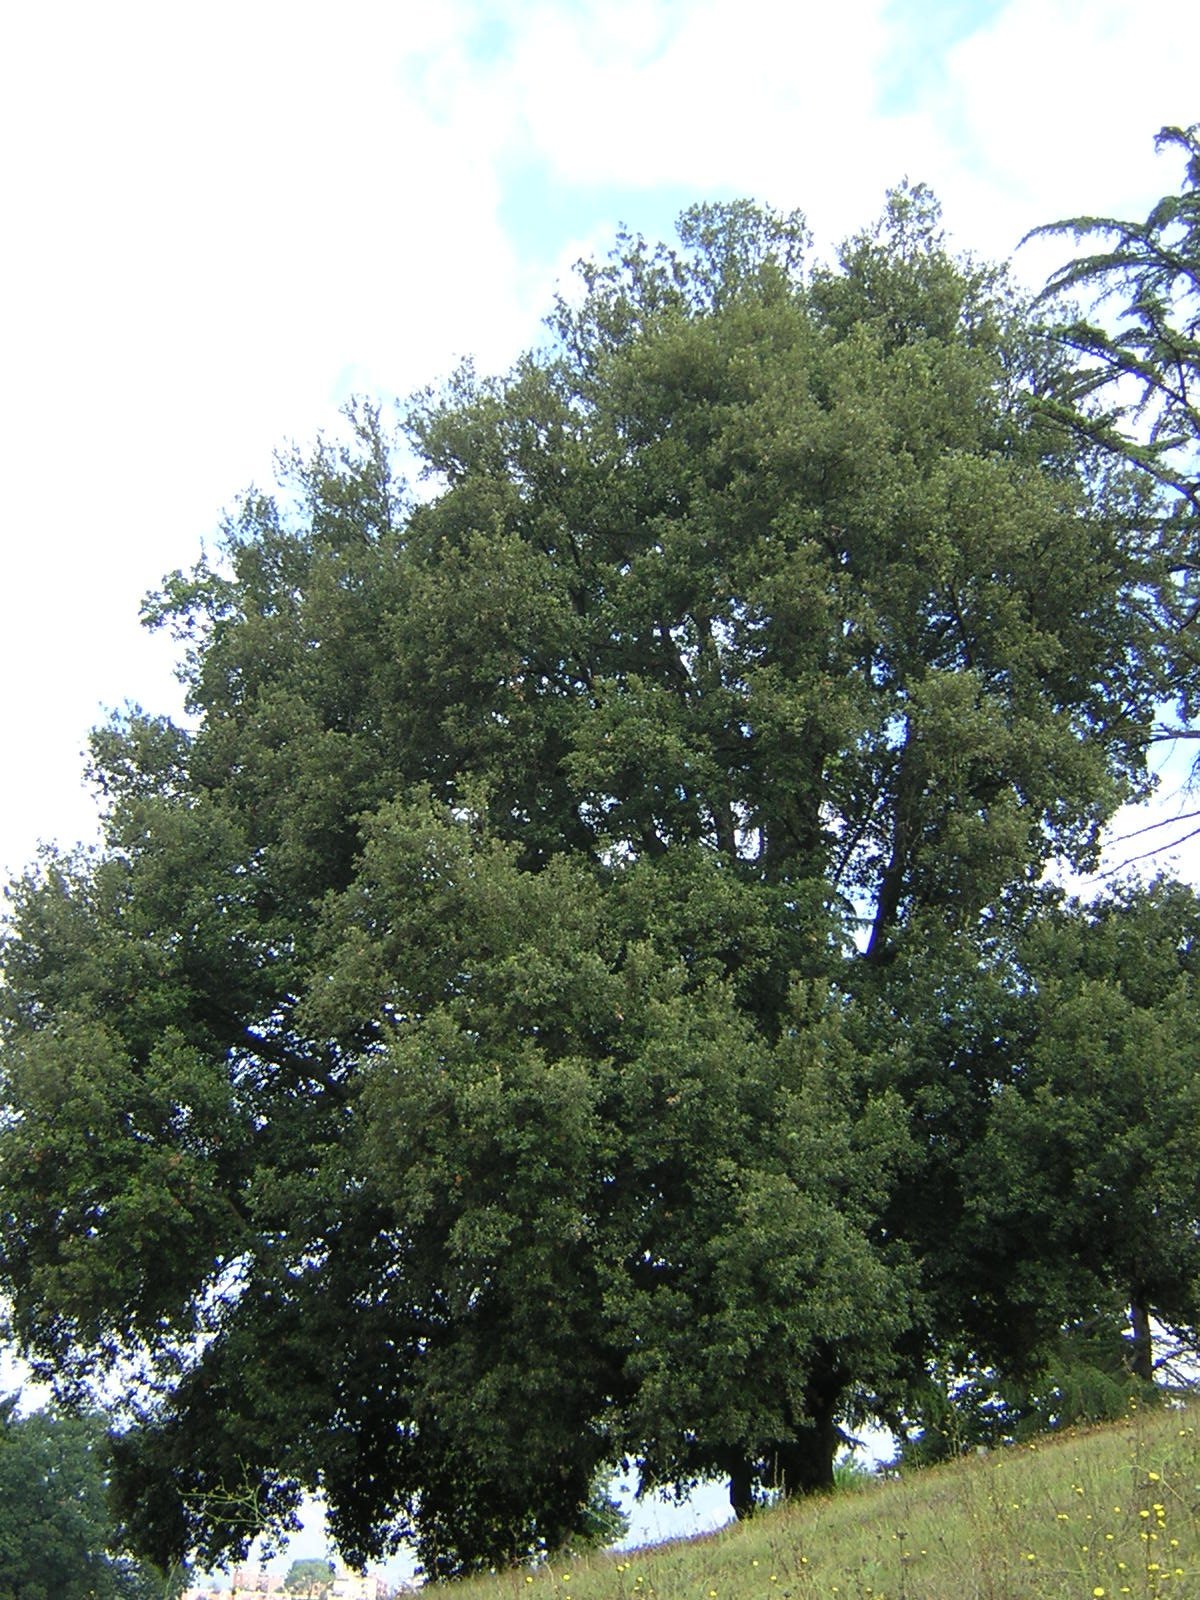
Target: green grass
[1107,1511]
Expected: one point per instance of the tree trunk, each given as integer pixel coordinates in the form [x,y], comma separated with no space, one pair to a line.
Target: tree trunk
[804,1464]
[905,812]
[1142,1356]
[741,1486]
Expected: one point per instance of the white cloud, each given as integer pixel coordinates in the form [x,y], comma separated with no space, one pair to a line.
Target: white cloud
[1053,110]
[712,96]
[216,220]
[220,220]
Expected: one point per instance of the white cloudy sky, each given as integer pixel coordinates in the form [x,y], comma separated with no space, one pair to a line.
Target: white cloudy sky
[220,221]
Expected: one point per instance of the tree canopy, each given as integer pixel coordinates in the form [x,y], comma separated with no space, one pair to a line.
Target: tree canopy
[528,1016]
[56,1534]
[1138,360]
[305,1575]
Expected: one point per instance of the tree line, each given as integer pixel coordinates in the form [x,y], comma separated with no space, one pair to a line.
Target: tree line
[583,983]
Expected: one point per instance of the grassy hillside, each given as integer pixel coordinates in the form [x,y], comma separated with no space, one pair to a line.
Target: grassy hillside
[1087,1514]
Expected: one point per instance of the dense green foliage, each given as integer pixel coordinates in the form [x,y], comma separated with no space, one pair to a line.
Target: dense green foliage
[580,988]
[55,1528]
[302,1576]
[1053,1081]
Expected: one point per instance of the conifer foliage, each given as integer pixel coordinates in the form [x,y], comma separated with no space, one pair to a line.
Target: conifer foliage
[1138,358]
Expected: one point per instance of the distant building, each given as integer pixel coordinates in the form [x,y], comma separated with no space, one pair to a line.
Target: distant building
[252,1581]
[349,1585]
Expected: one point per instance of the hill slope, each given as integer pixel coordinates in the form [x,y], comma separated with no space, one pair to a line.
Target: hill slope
[1094,1513]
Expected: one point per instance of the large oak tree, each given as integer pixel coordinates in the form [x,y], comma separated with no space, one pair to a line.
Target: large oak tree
[468,1059]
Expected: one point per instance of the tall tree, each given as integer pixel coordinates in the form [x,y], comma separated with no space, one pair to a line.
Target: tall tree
[57,1539]
[1051,1075]
[1134,389]
[305,1575]
[1090,1142]
[446,1077]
